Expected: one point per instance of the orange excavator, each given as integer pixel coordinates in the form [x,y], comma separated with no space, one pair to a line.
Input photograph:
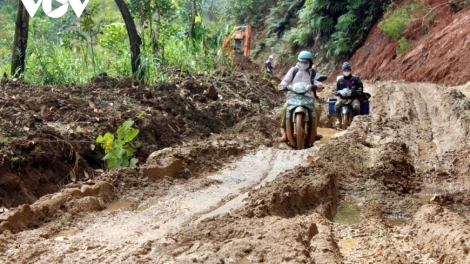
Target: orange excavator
[238,42]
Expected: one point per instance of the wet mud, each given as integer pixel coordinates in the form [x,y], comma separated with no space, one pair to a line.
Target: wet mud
[213,185]
[392,188]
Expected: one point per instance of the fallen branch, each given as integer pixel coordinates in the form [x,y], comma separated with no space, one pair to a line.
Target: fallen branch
[72,173]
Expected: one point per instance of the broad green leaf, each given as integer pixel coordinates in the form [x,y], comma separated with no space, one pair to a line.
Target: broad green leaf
[120,152]
[125,163]
[131,134]
[133,162]
[108,156]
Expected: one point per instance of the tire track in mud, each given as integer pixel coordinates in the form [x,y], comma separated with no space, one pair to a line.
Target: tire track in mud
[418,116]
[279,161]
[125,233]
[282,212]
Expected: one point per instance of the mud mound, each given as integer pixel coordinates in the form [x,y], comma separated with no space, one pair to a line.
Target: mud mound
[254,240]
[444,234]
[65,121]
[297,192]
[245,64]
[357,198]
[85,197]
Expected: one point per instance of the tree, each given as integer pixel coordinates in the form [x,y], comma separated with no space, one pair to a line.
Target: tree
[193,17]
[20,41]
[134,39]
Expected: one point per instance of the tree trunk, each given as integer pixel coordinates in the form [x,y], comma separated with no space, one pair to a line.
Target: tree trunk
[20,41]
[156,35]
[193,17]
[134,39]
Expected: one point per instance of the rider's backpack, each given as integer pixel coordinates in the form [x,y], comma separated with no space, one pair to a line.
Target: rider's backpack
[312,78]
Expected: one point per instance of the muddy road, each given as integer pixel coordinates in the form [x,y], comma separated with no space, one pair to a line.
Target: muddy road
[392,188]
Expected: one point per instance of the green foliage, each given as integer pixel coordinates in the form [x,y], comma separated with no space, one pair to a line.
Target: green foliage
[37,150]
[252,12]
[403,45]
[335,28]
[7,31]
[71,50]
[298,37]
[396,21]
[5,140]
[119,149]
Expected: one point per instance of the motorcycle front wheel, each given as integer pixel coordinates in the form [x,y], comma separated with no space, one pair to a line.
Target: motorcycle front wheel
[299,128]
[345,122]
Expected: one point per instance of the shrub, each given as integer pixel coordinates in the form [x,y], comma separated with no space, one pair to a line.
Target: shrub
[120,149]
[396,21]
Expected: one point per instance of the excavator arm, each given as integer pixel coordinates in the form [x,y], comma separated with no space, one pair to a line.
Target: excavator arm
[238,43]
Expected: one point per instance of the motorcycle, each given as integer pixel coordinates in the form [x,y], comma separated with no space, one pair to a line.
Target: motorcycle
[347,111]
[301,120]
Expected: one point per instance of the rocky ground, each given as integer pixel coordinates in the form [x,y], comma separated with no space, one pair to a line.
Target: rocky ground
[212,184]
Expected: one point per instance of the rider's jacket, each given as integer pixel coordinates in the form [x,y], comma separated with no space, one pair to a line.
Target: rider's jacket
[301,76]
[349,82]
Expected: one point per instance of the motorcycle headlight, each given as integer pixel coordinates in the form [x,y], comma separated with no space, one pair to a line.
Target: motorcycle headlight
[300,87]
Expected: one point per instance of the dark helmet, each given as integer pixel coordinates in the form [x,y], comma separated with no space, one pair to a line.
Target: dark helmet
[346,66]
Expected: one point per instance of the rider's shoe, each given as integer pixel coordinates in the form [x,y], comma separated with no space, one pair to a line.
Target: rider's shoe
[283,138]
[318,137]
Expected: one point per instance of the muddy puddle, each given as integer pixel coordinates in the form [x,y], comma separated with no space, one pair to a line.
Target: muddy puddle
[146,205]
[245,261]
[349,211]
[118,205]
[347,245]
[327,134]
[62,235]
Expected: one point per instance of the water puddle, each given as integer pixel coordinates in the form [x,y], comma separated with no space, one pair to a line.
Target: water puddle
[442,168]
[146,205]
[62,234]
[244,261]
[309,159]
[426,149]
[346,245]
[427,197]
[114,206]
[424,168]
[349,212]
[402,245]
[422,146]
[424,156]
[327,134]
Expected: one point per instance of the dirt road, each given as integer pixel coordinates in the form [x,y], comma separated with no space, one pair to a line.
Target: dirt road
[392,188]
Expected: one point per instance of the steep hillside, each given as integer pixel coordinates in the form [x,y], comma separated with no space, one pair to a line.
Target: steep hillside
[440,56]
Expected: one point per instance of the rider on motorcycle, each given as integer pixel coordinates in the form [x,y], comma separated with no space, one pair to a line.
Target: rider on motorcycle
[302,74]
[351,82]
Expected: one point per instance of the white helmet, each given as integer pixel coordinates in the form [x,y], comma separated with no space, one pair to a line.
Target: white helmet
[271,57]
